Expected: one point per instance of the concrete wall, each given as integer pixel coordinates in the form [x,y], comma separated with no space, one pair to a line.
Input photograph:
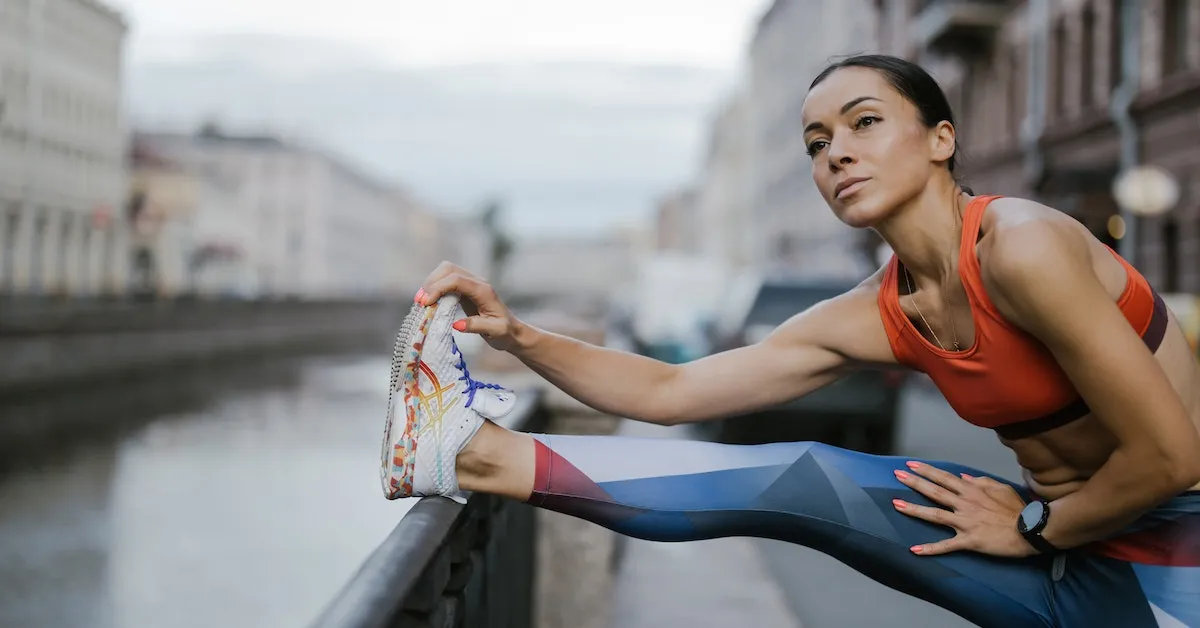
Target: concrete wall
[46,346]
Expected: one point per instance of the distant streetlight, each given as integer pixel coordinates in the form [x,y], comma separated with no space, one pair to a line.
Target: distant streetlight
[1116,226]
[1142,191]
[1146,191]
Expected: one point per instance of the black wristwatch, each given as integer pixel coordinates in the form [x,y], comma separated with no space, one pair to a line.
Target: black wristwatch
[1031,523]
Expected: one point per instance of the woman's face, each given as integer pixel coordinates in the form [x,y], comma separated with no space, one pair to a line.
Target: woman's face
[870,152]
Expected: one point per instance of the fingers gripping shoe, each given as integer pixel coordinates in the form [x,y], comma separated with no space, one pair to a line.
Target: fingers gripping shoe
[436,406]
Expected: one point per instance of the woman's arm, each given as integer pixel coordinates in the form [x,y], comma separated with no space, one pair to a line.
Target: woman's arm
[1041,278]
[810,350]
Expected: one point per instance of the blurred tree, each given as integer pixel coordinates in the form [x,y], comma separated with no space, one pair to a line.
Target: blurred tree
[501,243]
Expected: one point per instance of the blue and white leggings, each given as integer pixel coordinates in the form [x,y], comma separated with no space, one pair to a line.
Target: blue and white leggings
[839,502]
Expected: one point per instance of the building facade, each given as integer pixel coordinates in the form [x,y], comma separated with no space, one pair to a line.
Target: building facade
[677,227]
[1056,97]
[723,192]
[318,228]
[600,268]
[62,148]
[189,230]
[794,231]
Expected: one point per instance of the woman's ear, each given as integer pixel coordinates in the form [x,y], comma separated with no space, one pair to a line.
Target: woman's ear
[942,142]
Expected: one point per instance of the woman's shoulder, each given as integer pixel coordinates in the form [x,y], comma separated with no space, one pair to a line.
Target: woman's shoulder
[1020,228]
[1006,212]
[1023,242]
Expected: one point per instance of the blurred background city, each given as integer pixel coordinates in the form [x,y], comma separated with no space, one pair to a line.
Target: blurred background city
[212,214]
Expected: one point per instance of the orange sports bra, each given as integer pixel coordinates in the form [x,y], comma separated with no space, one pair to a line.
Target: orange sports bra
[1007,380]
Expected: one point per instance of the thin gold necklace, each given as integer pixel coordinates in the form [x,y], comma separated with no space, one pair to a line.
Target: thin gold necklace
[912,295]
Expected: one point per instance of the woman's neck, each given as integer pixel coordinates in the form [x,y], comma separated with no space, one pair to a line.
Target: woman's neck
[925,232]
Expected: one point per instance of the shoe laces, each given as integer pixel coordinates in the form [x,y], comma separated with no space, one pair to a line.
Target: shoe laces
[472,384]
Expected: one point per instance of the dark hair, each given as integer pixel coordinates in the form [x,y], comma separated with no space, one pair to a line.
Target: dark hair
[911,80]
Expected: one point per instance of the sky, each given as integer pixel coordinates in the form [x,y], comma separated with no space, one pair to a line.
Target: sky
[578,115]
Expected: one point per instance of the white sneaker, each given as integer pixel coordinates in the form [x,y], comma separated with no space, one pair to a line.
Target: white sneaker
[442,406]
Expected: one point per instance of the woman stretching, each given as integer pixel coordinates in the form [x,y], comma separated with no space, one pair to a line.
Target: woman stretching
[1028,325]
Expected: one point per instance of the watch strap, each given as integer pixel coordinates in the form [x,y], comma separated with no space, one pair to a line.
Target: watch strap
[1039,542]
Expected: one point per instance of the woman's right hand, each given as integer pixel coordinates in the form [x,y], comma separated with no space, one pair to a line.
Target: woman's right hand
[486,313]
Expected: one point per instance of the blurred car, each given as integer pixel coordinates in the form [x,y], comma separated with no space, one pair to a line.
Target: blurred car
[857,412]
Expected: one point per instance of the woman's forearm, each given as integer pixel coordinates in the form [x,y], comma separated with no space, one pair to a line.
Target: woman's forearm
[1124,489]
[611,381]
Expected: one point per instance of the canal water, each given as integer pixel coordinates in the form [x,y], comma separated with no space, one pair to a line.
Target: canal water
[249,505]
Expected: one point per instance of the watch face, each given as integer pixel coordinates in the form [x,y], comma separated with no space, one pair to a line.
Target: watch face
[1032,515]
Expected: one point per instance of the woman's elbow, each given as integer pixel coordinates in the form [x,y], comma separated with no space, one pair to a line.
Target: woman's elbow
[669,412]
[1185,471]
[1174,468]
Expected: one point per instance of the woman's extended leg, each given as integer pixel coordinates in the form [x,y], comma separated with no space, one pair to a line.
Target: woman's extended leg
[835,501]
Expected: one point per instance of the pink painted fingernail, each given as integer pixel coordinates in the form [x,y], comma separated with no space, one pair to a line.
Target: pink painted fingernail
[916,549]
[420,296]
[968,477]
[460,325]
[914,465]
[903,475]
[899,504]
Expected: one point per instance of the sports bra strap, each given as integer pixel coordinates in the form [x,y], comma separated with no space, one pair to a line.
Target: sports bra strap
[968,262]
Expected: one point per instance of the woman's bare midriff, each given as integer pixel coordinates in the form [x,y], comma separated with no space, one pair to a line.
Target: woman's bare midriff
[1057,463]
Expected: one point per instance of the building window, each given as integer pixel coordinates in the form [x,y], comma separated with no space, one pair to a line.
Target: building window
[8,261]
[784,246]
[108,252]
[1170,238]
[85,258]
[967,100]
[883,31]
[37,254]
[1116,44]
[64,255]
[1016,91]
[1175,36]
[1087,52]
[1059,79]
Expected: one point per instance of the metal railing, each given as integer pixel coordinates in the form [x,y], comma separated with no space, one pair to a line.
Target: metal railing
[447,564]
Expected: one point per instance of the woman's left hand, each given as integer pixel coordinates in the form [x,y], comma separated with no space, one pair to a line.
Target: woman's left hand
[982,511]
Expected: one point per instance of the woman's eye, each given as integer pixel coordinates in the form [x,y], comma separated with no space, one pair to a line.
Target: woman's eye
[866,121]
[816,147]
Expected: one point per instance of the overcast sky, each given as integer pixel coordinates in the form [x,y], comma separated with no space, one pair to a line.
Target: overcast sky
[578,113]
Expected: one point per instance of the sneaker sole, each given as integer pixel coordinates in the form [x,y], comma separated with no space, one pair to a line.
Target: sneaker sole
[398,457]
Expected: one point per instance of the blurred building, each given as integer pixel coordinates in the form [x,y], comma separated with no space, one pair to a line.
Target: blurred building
[795,233]
[424,245]
[319,228]
[1037,87]
[189,232]
[586,270]
[463,240]
[62,148]
[723,196]
[677,228]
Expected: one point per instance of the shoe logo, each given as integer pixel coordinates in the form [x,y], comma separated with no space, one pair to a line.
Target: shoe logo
[432,407]
[435,404]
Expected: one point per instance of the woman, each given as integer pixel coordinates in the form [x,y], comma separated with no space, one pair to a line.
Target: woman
[1027,324]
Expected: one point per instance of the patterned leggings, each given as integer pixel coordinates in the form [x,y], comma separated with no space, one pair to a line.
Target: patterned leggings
[840,502]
